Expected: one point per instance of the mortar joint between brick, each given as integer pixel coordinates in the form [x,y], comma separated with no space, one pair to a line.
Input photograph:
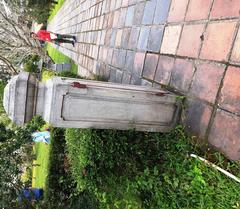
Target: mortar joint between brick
[215,106]
[233,41]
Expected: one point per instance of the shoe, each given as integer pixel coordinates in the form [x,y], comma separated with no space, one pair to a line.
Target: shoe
[75,39]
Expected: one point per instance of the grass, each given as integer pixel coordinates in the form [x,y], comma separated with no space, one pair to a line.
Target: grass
[58,57]
[40,171]
[56,9]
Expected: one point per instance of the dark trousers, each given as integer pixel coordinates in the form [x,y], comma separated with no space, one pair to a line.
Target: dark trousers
[62,38]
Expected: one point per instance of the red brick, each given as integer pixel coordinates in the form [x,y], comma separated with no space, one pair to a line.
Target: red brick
[118,38]
[110,19]
[224,134]
[230,93]
[125,37]
[182,74]
[190,40]
[150,66]
[196,117]
[124,3]
[129,16]
[177,10]
[206,81]
[126,78]
[116,18]
[164,69]
[138,63]
[198,9]
[129,61]
[218,41]
[122,17]
[225,8]
[138,13]
[170,39]
[236,49]
[133,39]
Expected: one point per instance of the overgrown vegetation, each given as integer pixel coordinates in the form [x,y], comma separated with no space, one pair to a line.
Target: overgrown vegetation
[30,64]
[128,169]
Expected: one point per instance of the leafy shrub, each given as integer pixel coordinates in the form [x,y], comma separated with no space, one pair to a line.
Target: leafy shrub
[128,169]
[35,124]
[68,74]
[30,64]
[61,188]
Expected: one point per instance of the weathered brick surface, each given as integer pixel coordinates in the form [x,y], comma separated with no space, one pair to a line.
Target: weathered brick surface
[161,11]
[225,8]
[129,16]
[217,44]
[155,38]
[197,117]
[148,14]
[182,74]
[190,41]
[138,63]
[170,39]
[133,39]
[129,61]
[150,66]
[230,93]
[125,37]
[198,9]
[235,57]
[164,69]
[177,10]
[138,13]
[143,38]
[126,79]
[224,134]
[206,81]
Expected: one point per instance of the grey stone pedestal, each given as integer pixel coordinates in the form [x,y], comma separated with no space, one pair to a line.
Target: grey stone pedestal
[76,103]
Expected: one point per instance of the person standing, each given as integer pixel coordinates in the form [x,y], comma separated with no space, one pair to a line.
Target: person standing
[44,35]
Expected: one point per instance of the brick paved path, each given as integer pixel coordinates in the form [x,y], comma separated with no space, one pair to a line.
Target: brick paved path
[191,46]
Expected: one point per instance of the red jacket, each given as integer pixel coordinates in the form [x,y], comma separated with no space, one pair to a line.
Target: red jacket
[44,35]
